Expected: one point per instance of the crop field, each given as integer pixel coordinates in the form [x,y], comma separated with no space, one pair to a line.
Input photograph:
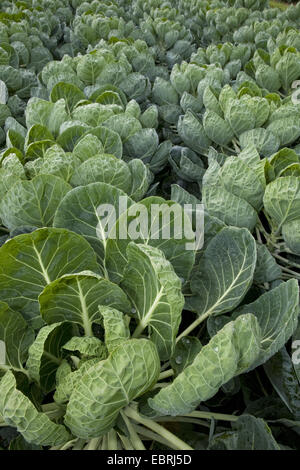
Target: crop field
[149,225]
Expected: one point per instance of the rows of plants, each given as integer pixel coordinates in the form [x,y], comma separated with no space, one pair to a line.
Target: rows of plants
[136,342]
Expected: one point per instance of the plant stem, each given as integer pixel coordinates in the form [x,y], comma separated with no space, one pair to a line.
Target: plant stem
[68,445]
[152,436]
[93,444]
[79,444]
[182,419]
[165,374]
[133,414]
[52,410]
[136,441]
[127,444]
[194,325]
[7,367]
[293,273]
[139,329]
[165,366]
[104,442]
[286,261]
[209,415]
[112,441]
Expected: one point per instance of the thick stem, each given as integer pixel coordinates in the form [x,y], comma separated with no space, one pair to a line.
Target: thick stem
[182,419]
[136,441]
[165,374]
[286,261]
[139,329]
[291,272]
[152,436]
[133,414]
[127,444]
[104,442]
[93,444]
[112,441]
[209,415]
[194,325]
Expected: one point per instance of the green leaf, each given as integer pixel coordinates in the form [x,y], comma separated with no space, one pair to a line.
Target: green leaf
[227,207]
[87,147]
[266,270]
[287,129]
[35,427]
[242,181]
[125,126]
[143,144]
[45,354]
[230,352]
[76,297]
[33,202]
[79,212]
[66,379]
[277,314]
[156,229]
[281,373]
[110,140]
[217,129]
[50,115]
[88,347]
[249,433]
[291,235]
[224,272]
[192,133]
[33,260]
[141,179]
[17,337]
[240,116]
[103,168]
[265,141]
[115,326]
[186,350]
[155,292]
[19,443]
[69,92]
[282,200]
[130,370]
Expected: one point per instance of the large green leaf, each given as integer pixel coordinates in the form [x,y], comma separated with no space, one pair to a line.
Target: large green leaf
[79,212]
[104,168]
[186,350]
[69,92]
[50,115]
[228,207]
[33,202]
[281,373]
[45,354]
[266,270]
[230,352]
[155,292]
[130,370]
[282,200]
[291,235]
[115,326]
[17,337]
[224,272]
[110,140]
[242,181]
[249,433]
[76,297]
[33,260]
[155,222]
[35,427]
[277,314]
